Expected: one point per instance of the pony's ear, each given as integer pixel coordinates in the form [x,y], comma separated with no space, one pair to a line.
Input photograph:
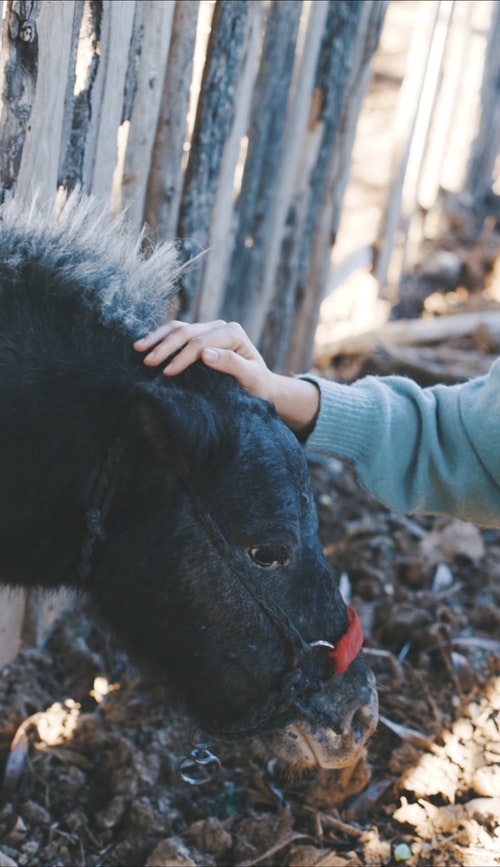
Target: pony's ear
[179,425]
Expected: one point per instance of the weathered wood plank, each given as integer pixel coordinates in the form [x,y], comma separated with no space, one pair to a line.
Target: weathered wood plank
[260,219]
[219,118]
[40,159]
[326,99]
[268,306]
[216,263]
[298,355]
[337,55]
[18,72]
[144,85]
[34,66]
[98,95]
[436,164]
[84,88]
[294,163]
[409,99]
[65,174]
[409,332]
[427,365]
[116,34]
[485,148]
[166,176]
[11,619]
[410,228]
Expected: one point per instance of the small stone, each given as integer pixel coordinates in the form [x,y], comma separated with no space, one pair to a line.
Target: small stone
[402,852]
[31,847]
[170,853]
[486,781]
[5,861]
[209,835]
[112,813]
[34,813]
[152,820]
[17,833]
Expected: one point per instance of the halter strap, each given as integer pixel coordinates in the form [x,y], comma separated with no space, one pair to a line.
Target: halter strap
[98,510]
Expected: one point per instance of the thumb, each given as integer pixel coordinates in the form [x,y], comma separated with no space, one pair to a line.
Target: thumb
[224,360]
[229,362]
[210,356]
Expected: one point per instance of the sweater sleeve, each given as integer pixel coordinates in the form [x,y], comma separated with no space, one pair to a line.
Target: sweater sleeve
[433,449]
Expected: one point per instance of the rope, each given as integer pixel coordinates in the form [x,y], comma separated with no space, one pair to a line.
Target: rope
[98,511]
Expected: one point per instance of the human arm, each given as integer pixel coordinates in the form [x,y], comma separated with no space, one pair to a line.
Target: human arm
[417,450]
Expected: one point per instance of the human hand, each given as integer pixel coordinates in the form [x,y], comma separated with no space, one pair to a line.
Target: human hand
[225,346]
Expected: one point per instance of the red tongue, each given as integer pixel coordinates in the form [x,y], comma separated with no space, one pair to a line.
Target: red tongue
[348,647]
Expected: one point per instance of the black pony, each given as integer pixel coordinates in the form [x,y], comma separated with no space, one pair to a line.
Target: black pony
[181,505]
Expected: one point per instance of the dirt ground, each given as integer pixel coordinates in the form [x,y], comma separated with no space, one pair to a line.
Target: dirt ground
[90,750]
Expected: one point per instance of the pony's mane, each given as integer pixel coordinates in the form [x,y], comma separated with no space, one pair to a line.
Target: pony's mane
[93,251]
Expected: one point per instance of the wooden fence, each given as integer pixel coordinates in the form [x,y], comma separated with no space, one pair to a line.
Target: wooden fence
[443,157]
[228,125]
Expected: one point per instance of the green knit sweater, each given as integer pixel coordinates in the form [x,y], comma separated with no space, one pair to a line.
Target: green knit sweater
[434,449]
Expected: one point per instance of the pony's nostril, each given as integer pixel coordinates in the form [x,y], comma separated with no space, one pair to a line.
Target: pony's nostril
[362,723]
[358,725]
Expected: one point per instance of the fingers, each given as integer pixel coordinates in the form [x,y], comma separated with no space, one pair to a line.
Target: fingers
[228,361]
[224,338]
[187,342]
[153,337]
[172,335]
[246,365]
[170,338]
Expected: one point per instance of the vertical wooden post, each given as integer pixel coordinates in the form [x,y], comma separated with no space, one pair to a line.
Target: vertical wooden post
[166,177]
[34,68]
[305,312]
[116,34]
[260,213]
[12,603]
[222,116]
[428,41]
[312,190]
[42,144]
[143,93]
[485,149]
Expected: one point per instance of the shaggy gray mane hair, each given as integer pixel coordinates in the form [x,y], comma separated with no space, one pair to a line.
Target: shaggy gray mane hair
[93,254]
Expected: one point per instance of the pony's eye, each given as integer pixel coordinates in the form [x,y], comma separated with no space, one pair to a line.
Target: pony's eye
[269,556]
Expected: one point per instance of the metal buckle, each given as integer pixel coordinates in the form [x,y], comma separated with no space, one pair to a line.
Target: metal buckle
[322,644]
[199,766]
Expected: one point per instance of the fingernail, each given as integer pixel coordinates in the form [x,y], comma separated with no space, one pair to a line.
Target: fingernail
[211,354]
